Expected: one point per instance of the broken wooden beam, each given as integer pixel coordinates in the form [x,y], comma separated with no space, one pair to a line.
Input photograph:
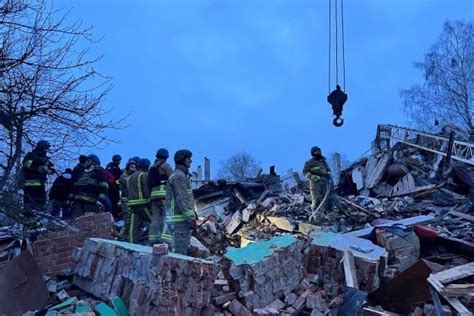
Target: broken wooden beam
[350,270]
[462,215]
[454,302]
[358,207]
[411,221]
[455,290]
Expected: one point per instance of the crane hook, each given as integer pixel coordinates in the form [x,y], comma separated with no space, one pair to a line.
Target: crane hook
[338,121]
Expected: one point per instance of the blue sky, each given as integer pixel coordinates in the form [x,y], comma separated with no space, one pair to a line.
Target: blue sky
[222,76]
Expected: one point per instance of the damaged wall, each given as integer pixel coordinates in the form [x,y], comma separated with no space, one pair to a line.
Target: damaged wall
[324,257]
[53,250]
[149,284]
[265,271]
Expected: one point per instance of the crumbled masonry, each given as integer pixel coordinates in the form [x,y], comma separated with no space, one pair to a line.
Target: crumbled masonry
[401,240]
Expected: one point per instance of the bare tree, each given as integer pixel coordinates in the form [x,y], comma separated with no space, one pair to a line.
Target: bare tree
[49,88]
[237,166]
[448,68]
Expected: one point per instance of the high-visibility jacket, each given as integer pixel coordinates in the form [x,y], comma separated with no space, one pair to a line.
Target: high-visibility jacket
[35,169]
[158,176]
[123,186]
[138,188]
[179,197]
[92,186]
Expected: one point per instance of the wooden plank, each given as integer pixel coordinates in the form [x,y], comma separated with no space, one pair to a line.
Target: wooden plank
[411,221]
[350,270]
[454,302]
[405,184]
[453,194]
[416,190]
[375,172]
[371,311]
[359,207]
[459,290]
[455,273]
[462,215]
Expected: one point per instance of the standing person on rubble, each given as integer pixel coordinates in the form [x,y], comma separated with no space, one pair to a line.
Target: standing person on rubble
[78,170]
[130,168]
[318,173]
[139,200]
[114,187]
[35,170]
[60,193]
[180,215]
[158,176]
[90,191]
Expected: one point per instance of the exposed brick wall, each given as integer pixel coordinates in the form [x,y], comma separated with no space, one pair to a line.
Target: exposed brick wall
[324,256]
[149,284]
[53,250]
[274,268]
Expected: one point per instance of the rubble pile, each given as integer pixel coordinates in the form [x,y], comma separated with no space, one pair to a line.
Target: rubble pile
[399,183]
[399,239]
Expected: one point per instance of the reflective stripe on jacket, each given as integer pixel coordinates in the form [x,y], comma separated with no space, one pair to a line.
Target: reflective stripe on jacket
[158,176]
[179,197]
[138,188]
[92,186]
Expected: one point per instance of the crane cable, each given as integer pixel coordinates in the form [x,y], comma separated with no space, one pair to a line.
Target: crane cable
[337,43]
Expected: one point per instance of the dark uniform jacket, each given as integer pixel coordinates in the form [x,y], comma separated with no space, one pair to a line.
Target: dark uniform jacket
[114,170]
[158,176]
[61,189]
[35,168]
[316,169]
[92,186]
[77,172]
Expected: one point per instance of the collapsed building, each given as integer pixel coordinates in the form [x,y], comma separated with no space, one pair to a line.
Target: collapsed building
[403,243]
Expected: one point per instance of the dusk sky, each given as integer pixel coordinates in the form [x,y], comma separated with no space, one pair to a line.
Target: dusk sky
[223,76]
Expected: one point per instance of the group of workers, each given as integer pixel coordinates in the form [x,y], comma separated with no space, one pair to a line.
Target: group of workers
[143,193]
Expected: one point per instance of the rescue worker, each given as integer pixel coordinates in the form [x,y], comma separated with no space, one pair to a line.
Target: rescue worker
[90,191]
[158,177]
[36,168]
[114,187]
[78,170]
[59,194]
[139,200]
[318,173]
[130,168]
[180,215]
